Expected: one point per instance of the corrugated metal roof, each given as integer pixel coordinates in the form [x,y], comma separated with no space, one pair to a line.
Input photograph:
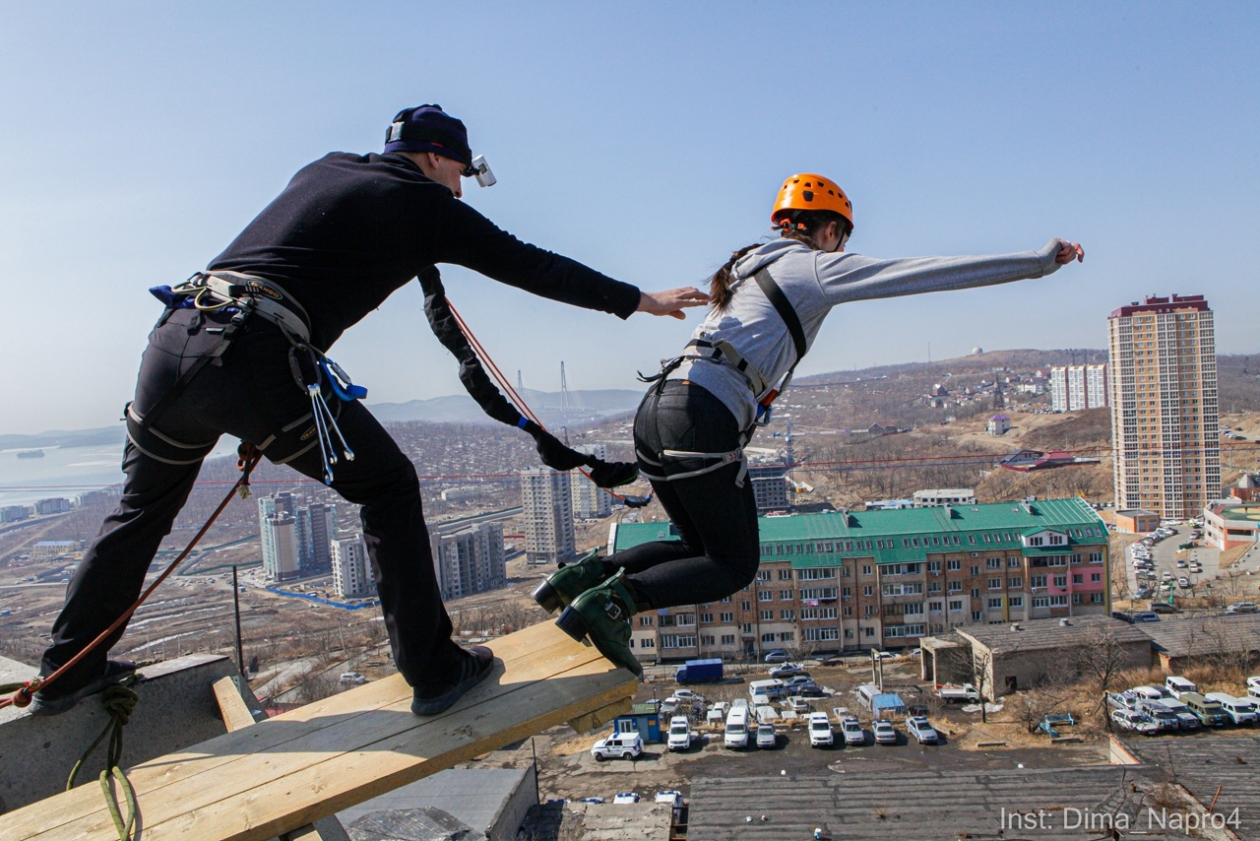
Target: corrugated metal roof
[1041,634]
[919,805]
[1206,761]
[907,535]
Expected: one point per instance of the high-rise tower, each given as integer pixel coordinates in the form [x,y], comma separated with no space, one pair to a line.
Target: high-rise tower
[547,499]
[1164,424]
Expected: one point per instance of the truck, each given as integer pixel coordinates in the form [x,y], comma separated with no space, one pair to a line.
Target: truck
[699,671]
[954,693]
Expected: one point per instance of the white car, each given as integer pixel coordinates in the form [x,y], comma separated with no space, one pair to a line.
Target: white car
[687,695]
[787,670]
[352,677]
[853,732]
[884,732]
[766,736]
[919,727]
[820,735]
[625,798]
[797,704]
[1254,682]
[673,797]
[1135,721]
[679,733]
[618,746]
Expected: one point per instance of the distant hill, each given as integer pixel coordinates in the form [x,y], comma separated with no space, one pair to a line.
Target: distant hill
[584,407]
[102,436]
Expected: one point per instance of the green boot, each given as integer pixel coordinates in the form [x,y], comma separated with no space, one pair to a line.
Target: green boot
[602,614]
[570,581]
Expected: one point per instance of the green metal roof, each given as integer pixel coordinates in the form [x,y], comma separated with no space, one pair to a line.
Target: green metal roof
[884,534]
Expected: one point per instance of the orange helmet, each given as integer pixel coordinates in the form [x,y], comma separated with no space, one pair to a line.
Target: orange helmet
[810,191]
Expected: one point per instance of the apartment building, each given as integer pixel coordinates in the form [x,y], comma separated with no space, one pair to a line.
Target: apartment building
[469,560]
[546,496]
[351,569]
[770,486]
[1164,406]
[855,580]
[590,501]
[314,527]
[280,546]
[1076,387]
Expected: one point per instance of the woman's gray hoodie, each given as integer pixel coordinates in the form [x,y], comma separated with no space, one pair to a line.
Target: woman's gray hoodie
[814,282]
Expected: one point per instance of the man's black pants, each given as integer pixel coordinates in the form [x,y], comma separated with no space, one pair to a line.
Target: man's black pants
[718,551]
[252,395]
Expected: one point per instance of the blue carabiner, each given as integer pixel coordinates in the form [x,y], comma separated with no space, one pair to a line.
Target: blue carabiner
[347,392]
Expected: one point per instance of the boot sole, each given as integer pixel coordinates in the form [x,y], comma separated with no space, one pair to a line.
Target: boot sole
[572,623]
[548,597]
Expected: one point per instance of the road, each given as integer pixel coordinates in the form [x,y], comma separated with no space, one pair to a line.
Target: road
[1165,555]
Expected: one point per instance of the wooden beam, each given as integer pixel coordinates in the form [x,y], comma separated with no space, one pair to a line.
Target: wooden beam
[231,705]
[258,782]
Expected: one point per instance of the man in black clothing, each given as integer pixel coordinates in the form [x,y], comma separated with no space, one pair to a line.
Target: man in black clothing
[343,235]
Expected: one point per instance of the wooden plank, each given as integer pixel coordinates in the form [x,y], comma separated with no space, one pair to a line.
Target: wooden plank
[231,705]
[600,717]
[259,782]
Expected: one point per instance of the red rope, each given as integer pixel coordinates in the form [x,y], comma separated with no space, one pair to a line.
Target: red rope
[507,386]
[249,457]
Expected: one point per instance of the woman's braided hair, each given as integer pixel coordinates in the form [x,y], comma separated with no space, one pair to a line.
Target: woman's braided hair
[803,225]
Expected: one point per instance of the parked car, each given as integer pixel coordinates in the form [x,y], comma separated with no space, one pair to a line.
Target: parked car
[1181,563]
[1145,616]
[1164,607]
[1143,592]
[1135,721]
[921,729]
[776,656]
[625,798]
[787,670]
[1237,710]
[853,732]
[1243,607]
[1183,583]
[884,732]
[1208,711]
[952,693]
[590,800]
[811,690]
[767,736]
[679,733]
[1151,693]
[687,695]
[1253,682]
[797,704]
[736,735]
[673,797]
[618,746]
[1127,700]
[820,735]
[352,677]
[1164,718]
[799,679]
[1177,685]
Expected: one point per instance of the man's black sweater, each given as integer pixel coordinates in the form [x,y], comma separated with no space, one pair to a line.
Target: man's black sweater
[350,229]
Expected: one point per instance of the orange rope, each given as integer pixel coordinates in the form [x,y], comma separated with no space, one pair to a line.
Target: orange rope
[507,386]
[249,457]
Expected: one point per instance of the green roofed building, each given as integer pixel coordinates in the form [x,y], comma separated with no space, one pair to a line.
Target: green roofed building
[861,579]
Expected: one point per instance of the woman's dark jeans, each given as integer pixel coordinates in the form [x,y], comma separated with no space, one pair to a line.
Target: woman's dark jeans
[719,552]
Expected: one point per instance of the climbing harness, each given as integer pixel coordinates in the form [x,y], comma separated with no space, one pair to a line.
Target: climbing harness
[455,335]
[240,296]
[247,458]
[672,465]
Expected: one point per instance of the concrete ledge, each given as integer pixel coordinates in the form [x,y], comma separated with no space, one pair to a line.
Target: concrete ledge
[176,709]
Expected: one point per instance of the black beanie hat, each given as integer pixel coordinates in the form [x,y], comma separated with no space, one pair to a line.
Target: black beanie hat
[427,128]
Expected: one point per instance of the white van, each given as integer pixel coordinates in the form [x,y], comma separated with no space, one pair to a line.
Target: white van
[1237,710]
[736,728]
[773,689]
[1151,693]
[1179,685]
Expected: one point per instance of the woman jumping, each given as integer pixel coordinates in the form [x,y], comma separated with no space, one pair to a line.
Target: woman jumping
[768,304]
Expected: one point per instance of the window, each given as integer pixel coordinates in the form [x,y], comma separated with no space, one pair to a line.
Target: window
[667,621]
[934,566]
[728,639]
[1095,598]
[988,539]
[765,595]
[678,641]
[645,621]
[904,631]
[868,632]
[1037,581]
[870,610]
[811,594]
[975,569]
[1076,598]
[1013,562]
[1078,579]
[787,636]
[975,592]
[746,605]
[1015,582]
[934,587]
[767,616]
[955,587]
[934,606]
[1095,577]
[786,595]
[868,590]
[866,569]
[914,608]
[706,639]
[848,610]
[995,604]
[976,615]
[686,619]
[706,618]
[847,592]
[647,643]
[1058,601]
[821,634]
[787,615]
[907,589]
[1036,541]
[826,613]
[955,604]
[809,613]
[816,574]
[726,618]
[848,633]
[746,628]
[994,563]
[763,575]
[767,637]
[954,565]
[1060,581]
[995,584]
[1095,557]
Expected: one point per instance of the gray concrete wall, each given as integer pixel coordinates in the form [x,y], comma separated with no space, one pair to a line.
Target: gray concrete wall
[176,709]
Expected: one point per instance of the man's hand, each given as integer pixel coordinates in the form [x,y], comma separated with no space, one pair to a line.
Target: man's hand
[1068,251]
[671,302]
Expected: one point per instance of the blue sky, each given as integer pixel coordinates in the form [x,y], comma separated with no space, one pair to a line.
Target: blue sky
[646,140]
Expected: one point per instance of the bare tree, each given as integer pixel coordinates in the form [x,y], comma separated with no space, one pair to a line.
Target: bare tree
[1098,660]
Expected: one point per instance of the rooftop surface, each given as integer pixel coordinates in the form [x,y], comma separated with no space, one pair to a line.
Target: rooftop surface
[859,534]
[923,804]
[1206,762]
[474,796]
[1041,634]
[1192,636]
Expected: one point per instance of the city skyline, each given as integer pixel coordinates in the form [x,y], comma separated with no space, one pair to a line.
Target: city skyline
[1145,113]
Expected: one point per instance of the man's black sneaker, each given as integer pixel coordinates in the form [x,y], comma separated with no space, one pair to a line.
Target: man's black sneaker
[475,667]
[59,698]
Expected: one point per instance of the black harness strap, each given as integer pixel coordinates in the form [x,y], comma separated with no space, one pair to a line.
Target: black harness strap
[783,307]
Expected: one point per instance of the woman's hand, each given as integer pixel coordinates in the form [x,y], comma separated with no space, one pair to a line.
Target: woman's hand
[1068,251]
[671,302]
